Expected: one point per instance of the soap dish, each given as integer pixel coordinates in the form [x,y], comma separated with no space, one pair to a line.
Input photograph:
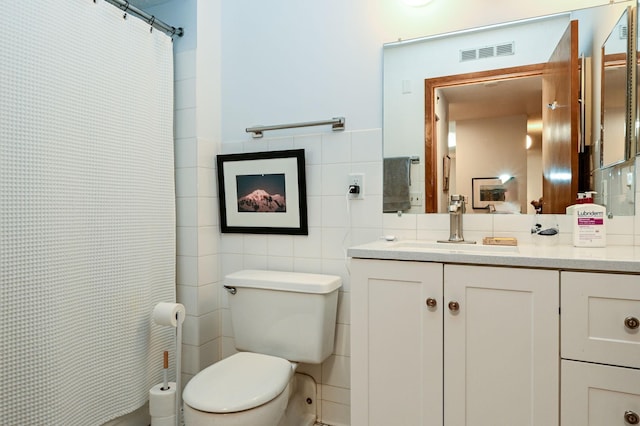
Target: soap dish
[499,241]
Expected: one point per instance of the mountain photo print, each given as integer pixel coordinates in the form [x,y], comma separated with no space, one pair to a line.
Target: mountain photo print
[261,193]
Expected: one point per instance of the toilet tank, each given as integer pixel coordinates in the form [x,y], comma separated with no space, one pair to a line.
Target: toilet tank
[287,314]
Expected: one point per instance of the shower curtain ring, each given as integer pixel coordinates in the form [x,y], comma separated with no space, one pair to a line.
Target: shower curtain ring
[126,7]
[151,21]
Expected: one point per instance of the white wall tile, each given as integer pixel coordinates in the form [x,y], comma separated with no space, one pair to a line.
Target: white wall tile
[336,147]
[255,244]
[366,213]
[209,353]
[207,240]
[185,123]
[186,241]
[404,221]
[207,211]
[334,211]
[335,414]
[185,152]
[208,269]
[313,174]
[279,144]
[187,270]
[344,307]
[253,261]
[308,246]
[280,245]
[335,241]
[188,296]
[335,179]
[312,145]
[207,299]
[336,371]
[279,263]
[186,211]
[207,184]
[335,394]
[185,93]
[314,211]
[207,153]
[342,344]
[312,266]
[186,182]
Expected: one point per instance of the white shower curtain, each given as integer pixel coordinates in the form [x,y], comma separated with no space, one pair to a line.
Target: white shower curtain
[87,222]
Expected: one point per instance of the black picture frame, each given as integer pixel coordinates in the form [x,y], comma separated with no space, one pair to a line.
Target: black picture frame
[263,192]
[486,191]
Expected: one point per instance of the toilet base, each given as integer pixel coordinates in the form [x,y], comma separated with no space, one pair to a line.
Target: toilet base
[302,407]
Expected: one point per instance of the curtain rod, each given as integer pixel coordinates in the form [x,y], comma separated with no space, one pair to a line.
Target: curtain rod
[150,19]
[337,123]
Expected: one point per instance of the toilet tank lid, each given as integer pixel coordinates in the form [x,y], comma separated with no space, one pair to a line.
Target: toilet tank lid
[285,281]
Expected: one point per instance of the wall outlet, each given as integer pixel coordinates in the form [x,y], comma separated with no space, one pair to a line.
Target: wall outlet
[416,198]
[356,179]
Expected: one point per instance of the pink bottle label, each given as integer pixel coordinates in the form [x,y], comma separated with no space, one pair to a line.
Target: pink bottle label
[590,221]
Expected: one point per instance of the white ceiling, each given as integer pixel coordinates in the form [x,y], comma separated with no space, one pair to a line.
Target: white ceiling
[506,97]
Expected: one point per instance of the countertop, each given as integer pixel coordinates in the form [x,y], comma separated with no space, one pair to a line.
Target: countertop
[609,259]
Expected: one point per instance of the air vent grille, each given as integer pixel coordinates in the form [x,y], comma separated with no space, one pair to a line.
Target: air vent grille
[468,55]
[502,49]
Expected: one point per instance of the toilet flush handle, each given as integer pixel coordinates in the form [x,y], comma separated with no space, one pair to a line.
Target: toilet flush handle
[230,289]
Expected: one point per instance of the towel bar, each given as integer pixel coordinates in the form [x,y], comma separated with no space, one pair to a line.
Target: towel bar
[337,123]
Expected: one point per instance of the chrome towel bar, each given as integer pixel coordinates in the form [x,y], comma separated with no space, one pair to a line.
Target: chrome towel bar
[337,123]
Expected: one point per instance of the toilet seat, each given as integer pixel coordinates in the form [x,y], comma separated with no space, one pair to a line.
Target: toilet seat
[243,381]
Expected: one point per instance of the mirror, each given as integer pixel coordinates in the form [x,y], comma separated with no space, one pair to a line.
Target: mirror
[515,47]
[615,136]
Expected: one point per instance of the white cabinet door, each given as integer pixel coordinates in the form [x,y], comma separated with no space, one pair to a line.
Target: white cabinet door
[396,343]
[501,346]
[599,395]
[601,318]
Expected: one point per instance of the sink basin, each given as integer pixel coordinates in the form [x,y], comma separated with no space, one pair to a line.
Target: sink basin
[418,245]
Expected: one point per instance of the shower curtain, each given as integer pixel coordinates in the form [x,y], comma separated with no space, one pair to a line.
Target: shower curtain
[87,222]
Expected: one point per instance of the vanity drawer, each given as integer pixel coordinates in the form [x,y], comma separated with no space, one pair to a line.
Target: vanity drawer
[599,395]
[600,318]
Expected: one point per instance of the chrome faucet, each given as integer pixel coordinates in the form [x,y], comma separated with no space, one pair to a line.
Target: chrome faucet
[456,209]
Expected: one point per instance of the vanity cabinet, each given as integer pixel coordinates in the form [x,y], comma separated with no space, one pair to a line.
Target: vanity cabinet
[600,349]
[440,344]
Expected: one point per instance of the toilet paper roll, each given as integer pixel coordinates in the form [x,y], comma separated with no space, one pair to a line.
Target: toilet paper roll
[163,421]
[162,402]
[166,313]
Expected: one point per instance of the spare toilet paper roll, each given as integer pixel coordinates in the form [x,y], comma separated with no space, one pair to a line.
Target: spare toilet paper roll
[162,402]
[165,313]
[163,421]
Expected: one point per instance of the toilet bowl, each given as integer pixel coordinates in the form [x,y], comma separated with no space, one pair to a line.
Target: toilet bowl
[246,389]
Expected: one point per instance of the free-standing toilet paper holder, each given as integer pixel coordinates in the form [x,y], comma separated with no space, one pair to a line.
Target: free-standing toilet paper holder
[168,314]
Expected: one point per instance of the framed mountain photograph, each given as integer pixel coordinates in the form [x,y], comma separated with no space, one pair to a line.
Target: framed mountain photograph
[263,192]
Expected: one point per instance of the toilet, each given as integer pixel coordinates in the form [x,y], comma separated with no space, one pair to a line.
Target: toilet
[279,319]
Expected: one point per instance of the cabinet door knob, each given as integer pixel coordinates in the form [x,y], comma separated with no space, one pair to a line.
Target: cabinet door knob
[431,302]
[631,323]
[631,417]
[454,306]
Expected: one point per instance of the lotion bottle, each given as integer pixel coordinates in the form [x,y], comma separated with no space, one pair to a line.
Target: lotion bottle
[589,224]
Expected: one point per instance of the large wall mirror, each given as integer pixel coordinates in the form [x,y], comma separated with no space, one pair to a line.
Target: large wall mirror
[472,110]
